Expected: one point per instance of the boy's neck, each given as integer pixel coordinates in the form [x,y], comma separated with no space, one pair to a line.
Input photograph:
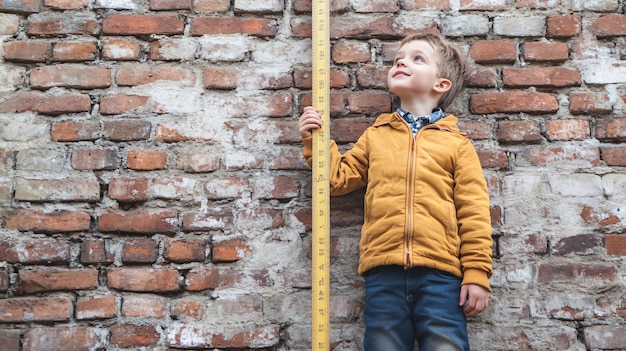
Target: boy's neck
[417,108]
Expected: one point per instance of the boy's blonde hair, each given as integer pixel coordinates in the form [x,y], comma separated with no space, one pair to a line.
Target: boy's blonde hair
[451,63]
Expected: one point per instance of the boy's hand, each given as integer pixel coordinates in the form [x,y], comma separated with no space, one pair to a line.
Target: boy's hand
[309,120]
[474,299]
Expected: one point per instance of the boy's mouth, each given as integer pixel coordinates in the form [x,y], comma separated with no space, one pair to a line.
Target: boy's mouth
[400,73]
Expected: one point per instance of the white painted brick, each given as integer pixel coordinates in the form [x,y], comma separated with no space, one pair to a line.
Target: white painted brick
[595,5]
[118,4]
[531,26]
[604,71]
[259,5]
[224,47]
[465,25]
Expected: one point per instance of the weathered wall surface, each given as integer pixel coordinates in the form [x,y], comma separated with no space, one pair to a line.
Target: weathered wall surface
[153,196]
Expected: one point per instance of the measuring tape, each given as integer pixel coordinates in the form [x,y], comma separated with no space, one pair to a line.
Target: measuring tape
[321,188]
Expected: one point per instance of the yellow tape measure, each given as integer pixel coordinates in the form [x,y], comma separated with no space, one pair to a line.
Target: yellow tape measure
[321,189]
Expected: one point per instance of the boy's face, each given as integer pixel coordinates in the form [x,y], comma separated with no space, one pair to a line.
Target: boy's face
[414,73]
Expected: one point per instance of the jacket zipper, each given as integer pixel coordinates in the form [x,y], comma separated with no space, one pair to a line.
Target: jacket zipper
[409,201]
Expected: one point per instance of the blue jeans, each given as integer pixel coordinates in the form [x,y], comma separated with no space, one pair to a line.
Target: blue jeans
[419,304]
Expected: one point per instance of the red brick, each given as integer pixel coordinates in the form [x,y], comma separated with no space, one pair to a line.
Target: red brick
[615,244]
[142,222]
[26,51]
[51,23]
[347,130]
[96,307]
[21,6]
[564,26]
[61,221]
[609,26]
[144,305]
[71,339]
[4,282]
[493,159]
[483,77]
[140,251]
[519,132]
[120,103]
[96,252]
[166,135]
[475,130]
[95,159]
[552,77]
[564,156]
[611,130]
[23,101]
[363,28]
[36,309]
[229,250]
[350,52]
[368,76]
[214,219]
[129,189]
[9,340]
[74,51]
[588,103]
[187,308]
[120,49]
[143,279]
[494,51]
[211,6]
[66,4]
[442,5]
[573,272]
[204,278]
[568,129]
[514,102]
[70,76]
[75,131]
[223,79]
[599,216]
[127,130]
[132,336]
[279,187]
[140,75]
[166,24]
[369,103]
[35,251]
[146,160]
[55,279]
[546,52]
[604,337]
[184,250]
[495,213]
[243,337]
[262,27]
[578,244]
[64,104]
[166,5]
[614,156]
[473,5]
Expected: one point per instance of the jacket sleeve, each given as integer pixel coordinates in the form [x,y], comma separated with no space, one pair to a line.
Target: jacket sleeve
[348,172]
[471,199]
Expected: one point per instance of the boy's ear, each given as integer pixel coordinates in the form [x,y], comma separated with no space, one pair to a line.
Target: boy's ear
[442,86]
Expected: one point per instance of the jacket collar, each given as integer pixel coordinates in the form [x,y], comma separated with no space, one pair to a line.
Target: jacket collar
[448,123]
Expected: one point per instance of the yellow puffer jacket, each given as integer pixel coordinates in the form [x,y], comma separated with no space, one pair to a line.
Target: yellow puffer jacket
[426,202]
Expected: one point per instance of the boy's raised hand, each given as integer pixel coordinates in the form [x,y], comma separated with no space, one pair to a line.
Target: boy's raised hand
[309,120]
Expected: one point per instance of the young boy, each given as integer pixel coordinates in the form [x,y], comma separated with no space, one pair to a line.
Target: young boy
[425,250]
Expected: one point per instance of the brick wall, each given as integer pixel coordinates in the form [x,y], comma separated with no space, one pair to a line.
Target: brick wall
[153,195]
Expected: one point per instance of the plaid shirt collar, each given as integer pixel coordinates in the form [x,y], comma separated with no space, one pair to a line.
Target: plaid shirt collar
[417,123]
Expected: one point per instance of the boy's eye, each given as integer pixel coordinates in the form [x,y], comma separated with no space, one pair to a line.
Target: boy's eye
[419,59]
